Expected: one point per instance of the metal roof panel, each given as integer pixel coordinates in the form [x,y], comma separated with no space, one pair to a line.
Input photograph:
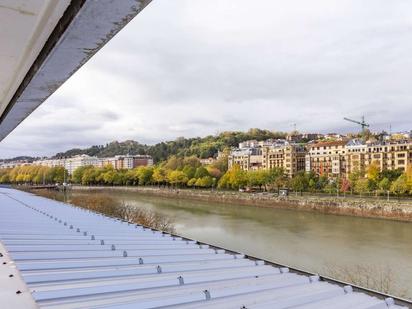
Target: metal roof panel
[68,257]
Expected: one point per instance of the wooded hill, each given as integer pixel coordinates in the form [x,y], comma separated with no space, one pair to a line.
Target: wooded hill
[201,147]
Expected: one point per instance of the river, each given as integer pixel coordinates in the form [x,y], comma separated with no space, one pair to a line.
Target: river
[312,241]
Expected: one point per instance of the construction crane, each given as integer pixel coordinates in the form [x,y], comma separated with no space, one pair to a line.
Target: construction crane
[362,123]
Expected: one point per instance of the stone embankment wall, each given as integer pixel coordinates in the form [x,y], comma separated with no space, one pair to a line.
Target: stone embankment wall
[366,207]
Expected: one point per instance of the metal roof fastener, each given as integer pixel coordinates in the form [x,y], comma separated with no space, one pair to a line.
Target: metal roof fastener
[348,289]
[284,270]
[207,295]
[314,278]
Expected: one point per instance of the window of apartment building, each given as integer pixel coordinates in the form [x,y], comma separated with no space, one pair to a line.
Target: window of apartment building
[401,162]
[401,155]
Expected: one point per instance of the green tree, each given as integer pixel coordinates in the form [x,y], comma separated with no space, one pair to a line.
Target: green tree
[190,171]
[201,172]
[204,182]
[177,178]
[214,172]
[78,173]
[89,177]
[159,175]
[353,179]
[191,182]
[234,178]
[384,185]
[400,186]
[145,175]
[5,178]
[257,178]
[174,163]
[362,186]
[276,177]
[373,171]
[299,183]
[192,161]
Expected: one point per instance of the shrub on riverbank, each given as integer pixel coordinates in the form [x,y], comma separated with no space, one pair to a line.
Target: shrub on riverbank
[375,277]
[105,204]
[111,207]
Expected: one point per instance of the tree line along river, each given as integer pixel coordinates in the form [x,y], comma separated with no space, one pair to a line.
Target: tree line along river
[321,243]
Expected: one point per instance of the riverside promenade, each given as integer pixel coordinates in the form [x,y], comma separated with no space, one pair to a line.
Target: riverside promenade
[54,255]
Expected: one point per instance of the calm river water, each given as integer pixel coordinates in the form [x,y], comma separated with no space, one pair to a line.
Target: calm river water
[306,240]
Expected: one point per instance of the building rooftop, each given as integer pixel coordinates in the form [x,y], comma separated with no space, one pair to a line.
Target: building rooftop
[329,144]
[54,255]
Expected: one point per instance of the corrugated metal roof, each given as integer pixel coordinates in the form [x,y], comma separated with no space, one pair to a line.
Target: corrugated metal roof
[73,258]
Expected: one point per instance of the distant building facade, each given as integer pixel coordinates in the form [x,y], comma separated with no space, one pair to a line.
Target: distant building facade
[289,157]
[269,155]
[246,158]
[207,161]
[326,158]
[117,162]
[128,161]
[70,164]
[331,159]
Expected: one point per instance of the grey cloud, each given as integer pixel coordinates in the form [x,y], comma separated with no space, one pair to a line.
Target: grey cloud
[197,67]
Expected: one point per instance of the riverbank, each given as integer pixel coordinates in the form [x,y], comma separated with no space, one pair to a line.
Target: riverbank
[349,206]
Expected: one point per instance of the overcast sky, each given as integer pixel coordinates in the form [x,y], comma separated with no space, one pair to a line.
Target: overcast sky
[198,67]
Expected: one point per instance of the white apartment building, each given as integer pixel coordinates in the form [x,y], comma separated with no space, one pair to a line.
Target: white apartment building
[70,164]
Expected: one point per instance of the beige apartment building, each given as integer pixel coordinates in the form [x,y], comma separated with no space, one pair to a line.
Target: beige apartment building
[327,158]
[330,159]
[290,157]
[127,161]
[248,159]
[389,156]
[339,159]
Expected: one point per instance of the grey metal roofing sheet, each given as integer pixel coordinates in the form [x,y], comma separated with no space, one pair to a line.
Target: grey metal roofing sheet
[68,257]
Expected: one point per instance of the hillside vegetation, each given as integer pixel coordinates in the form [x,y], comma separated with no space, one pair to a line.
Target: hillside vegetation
[201,147]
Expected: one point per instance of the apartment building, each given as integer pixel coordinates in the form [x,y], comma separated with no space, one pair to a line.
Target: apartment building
[341,158]
[269,155]
[388,156]
[247,158]
[356,152]
[289,157]
[326,158]
[118,162]
[127,161]
[70,164]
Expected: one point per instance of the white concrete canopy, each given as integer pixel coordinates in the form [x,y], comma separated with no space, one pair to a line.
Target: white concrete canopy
[25,28]
[43,42]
